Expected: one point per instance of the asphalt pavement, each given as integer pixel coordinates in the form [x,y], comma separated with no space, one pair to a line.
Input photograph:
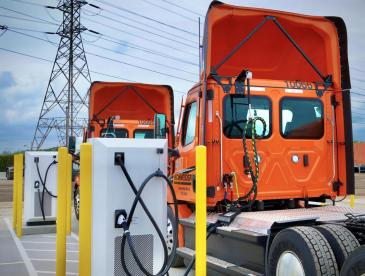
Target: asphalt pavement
[35,254]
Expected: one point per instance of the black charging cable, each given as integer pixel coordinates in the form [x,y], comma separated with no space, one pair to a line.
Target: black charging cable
[210,230]
[44,185]
[126,238]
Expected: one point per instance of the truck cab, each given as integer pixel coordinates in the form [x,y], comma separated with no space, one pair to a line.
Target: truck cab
[128,110]
[268,67]
[273,109]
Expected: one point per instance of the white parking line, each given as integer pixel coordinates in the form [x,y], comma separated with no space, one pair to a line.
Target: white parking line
[53,260]
[12,263]
[71,243]
[52,272]
[50,250]
[23,253]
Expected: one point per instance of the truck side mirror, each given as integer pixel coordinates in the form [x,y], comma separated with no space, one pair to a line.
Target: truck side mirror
[159,126]
[72,144]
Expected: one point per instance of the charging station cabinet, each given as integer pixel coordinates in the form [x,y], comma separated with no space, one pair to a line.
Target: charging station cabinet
[33,187]
[111,192]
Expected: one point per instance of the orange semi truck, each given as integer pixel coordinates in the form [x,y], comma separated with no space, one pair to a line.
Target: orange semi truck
[273,109]
[128,110]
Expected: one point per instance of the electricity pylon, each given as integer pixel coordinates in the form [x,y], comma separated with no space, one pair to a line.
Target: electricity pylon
[66,98]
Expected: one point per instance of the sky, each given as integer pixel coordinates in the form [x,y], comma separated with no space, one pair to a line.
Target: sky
[23,79]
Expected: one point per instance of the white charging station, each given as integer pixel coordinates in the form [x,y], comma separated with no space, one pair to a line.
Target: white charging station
[111,192]
[33,187]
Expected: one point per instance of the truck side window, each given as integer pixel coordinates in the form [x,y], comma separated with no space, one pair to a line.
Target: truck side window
[301,118]
[189,124]
[235,113]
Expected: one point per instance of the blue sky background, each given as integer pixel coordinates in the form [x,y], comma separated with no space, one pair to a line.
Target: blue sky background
[23,80]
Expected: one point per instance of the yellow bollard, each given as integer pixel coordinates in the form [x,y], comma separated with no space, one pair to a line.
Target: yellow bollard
[201,212]
[69,194]
[14,193]
[352,201]
[19,195]
[61,212]
[85,210]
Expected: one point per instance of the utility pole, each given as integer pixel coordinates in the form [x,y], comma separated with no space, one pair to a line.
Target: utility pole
[66,98]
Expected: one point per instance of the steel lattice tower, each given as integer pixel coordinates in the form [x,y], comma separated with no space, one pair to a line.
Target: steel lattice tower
[66,98]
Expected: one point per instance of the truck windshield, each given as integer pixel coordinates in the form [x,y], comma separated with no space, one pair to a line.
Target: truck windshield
[114,133]
[143,134]
[235,111]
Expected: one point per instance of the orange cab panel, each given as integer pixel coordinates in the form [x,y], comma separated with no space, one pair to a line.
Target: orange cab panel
[296,69]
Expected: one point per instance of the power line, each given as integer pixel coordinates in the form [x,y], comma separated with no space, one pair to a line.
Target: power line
[3,30]
[31,36]
[359,88]
[170,11]
[146,31]
[358,113]
[146,17]
[132,65]
[354,100]
[143,49]
[140,67]
[121,78]
[135,45]
[356,69]
[140,37]
[144,59]
[359,94]
[24,54]
[116,42]
[25,19]
[27,2]
[50,61]
[120,42]
[356,79]
[65,96]
[27,30]
[18,12]
[357,118]
[144,24]
[183,8]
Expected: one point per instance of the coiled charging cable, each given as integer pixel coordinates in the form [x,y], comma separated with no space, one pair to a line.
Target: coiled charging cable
[44,185]
[126,238]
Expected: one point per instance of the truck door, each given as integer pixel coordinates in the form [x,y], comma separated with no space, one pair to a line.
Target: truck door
[235,115]
[306,138]
[184,176]
[295,153]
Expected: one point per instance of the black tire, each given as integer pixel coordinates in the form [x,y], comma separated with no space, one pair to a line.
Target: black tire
[178,260]
[309,247]
[355,263]
[342,241]
[9,174]
[77,201]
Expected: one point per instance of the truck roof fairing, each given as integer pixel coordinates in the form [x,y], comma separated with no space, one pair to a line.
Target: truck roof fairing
[268,53]
[131,101]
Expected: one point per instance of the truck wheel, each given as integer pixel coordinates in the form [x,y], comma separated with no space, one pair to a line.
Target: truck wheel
[355,263]
[342,241]
[77,201]
[301,251]
[171,227]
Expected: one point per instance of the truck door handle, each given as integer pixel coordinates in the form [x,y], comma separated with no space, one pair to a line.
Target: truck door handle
[305,160]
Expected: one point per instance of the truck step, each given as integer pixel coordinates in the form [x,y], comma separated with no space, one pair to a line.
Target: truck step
[223,267]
